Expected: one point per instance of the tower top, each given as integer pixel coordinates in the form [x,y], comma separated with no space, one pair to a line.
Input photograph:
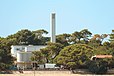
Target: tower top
[53,13]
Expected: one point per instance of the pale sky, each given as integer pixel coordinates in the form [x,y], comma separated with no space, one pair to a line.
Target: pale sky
[71,15]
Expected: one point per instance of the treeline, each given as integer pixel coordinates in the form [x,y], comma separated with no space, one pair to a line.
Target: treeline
[23,37]
[73,51]
[70,50]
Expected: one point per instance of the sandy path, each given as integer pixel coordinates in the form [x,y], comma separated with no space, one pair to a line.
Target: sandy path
[47,73]
[50,75]
[38,75]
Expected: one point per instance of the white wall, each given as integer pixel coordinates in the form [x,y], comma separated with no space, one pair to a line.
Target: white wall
[33,48]
[24,48]
[24,56]
[15,48]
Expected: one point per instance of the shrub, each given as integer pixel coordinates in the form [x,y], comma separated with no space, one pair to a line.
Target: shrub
[98,67]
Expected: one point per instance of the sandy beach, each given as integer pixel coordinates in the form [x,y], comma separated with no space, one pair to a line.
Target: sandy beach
[48,73]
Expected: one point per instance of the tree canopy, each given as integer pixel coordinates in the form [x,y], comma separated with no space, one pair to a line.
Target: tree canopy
[71,50]
[74,56]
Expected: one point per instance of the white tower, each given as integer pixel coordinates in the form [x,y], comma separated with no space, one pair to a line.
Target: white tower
[53,30]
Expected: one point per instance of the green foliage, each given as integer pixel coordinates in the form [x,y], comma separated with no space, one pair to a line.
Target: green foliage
[51,51]
[112,36]
[27,37]
[74,55]
[71,65]
[24,37]
[111,63]
[37,56]
[39,39]
[84,34]
[98,67]
[76,37]
[63,39]
[6,59]
[94,43]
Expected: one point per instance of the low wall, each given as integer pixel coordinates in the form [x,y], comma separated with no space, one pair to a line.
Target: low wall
[110,71]
[86,71]
[77,71]
[43,72]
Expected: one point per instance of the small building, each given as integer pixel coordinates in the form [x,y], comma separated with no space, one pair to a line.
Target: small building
[23,54]
[100,56]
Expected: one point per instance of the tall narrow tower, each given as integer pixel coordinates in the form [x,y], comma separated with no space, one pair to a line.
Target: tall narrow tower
[53,28]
